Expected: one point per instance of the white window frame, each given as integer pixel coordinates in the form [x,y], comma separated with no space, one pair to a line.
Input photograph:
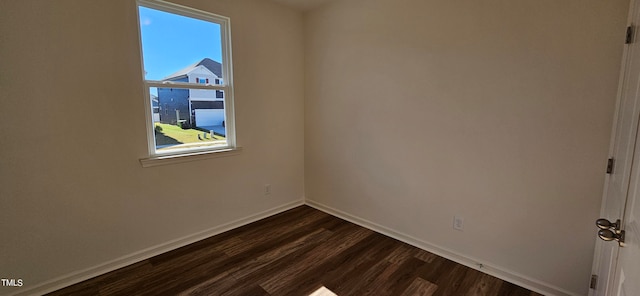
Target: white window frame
[188,154]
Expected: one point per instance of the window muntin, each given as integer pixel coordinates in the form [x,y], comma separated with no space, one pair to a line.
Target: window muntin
[188,77]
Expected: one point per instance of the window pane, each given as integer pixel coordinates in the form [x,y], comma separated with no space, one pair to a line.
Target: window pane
[178,48]
[188,118]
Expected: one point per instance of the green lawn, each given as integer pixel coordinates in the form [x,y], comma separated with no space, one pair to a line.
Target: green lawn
[173,135]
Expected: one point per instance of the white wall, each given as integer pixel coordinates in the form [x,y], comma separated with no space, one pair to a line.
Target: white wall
[73,194]
[498,111]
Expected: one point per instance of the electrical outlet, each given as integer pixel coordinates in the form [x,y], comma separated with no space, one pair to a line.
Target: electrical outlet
[458,223]
[267,189]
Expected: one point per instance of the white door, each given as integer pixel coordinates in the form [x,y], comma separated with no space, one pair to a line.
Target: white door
[626,280]
[618,267]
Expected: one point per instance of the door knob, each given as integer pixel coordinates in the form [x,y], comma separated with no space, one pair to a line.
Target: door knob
[610,231]
[606,224]
[608,235]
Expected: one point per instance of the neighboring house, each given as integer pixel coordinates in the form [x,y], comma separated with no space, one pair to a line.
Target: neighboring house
[193,107]
[155,107]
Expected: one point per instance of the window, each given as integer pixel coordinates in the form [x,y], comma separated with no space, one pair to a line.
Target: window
[202,80]
[183,49]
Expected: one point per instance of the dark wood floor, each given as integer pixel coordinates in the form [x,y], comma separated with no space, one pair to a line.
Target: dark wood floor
[296,253]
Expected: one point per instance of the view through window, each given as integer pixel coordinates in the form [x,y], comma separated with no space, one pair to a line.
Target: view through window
[187,76]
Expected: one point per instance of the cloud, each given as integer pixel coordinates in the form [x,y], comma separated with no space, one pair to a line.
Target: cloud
[145,21]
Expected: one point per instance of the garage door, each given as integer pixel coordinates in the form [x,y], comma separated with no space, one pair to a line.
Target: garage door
[209,117]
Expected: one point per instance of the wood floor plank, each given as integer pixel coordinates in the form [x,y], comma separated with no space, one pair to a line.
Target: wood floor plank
[335,268]
[169,281]
[469,280]
[262,274]
[341,274]
[254,290]
[452,279]
[435,269]
[118,283]
[259,262]
[363,283]
[334,245]
[425,256]
[420,287]
[297,252]
[485,285]
[402,253]
[509,289]
[246,269]
[229,287]
[282,228]
[400,280]
[243,270]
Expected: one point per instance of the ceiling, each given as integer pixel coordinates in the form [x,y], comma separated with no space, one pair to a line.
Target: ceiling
[303,5]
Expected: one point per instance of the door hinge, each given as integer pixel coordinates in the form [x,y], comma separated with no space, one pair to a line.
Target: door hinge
[610,163]
[594,282]
[629,35]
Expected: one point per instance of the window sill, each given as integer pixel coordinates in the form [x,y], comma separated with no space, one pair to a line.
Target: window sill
[187,157]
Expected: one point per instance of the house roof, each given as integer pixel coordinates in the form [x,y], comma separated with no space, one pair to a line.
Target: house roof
[211,65]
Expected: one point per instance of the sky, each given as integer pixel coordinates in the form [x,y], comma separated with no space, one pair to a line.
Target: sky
[172,42]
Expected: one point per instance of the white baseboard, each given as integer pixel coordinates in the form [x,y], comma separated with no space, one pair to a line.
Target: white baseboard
[103,268]
[486,267]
